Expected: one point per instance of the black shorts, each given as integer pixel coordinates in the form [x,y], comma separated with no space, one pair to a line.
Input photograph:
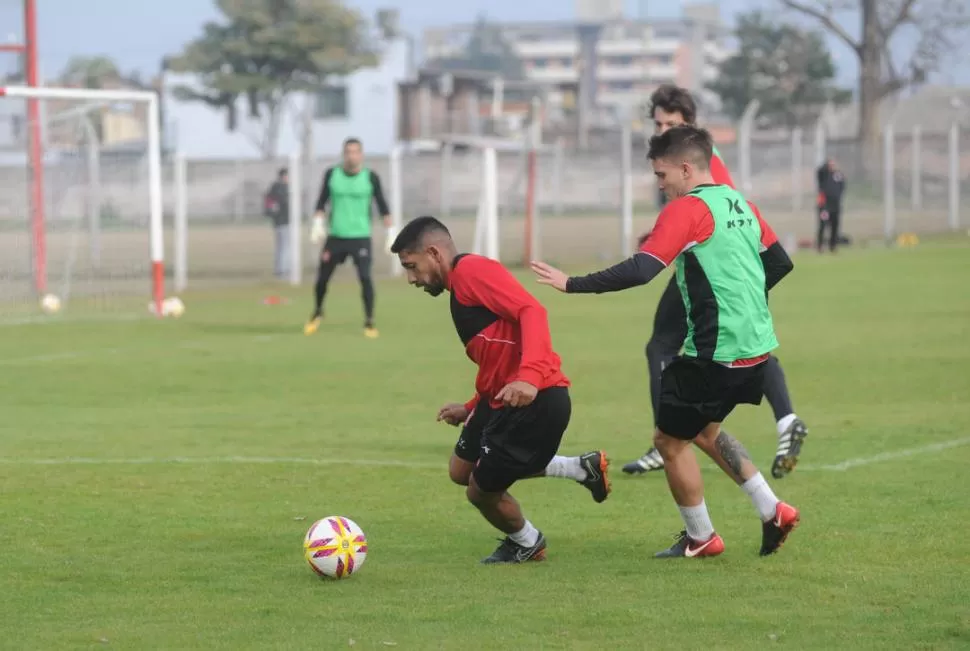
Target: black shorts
[512,443]
[670,319]
[357,249]
[695,393]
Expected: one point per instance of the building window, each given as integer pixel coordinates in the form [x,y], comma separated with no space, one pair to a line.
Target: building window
[667,32]
[332,103]
[540,63]
[620,60]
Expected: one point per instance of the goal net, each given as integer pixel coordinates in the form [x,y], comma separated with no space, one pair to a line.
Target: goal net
[81,204]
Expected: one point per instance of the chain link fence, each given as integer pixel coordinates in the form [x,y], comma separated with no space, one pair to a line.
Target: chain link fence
[97,208]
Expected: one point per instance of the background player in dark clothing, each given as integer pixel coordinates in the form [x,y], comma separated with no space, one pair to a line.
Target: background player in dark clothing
[831,187]
[276,206]
[521,408]
[671,106]
[351,190]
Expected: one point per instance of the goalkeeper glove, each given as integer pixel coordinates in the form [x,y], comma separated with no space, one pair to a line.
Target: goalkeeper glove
[389,236]
[317,230]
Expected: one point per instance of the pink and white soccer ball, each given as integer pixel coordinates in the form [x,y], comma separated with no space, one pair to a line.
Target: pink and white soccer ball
[335,547]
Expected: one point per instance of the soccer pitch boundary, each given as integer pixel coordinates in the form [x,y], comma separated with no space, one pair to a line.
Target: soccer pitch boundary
[842,466]
[104,352]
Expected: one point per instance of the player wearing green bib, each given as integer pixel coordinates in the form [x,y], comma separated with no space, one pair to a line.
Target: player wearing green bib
[671,106]
[726,259]
[351,190]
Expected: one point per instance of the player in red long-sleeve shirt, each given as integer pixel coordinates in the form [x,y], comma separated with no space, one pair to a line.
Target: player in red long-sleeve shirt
[516,420]
[670,107]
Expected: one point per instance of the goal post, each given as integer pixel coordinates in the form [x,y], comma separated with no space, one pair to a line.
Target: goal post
[150,101]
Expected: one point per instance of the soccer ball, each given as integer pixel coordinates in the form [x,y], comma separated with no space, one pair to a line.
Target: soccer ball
[170,307]
[173,307]
[50,304]
[335,547]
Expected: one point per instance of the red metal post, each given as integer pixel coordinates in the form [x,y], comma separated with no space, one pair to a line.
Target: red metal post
[36,150]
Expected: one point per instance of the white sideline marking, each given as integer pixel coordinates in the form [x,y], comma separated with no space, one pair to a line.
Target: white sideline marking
[53,319]
[92,461]
[377,463]
[201,344]
[889,456]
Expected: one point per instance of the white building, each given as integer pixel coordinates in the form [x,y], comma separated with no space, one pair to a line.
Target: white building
[632,57]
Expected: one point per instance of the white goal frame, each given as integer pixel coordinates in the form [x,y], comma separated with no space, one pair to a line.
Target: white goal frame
[486,220]
[149,98]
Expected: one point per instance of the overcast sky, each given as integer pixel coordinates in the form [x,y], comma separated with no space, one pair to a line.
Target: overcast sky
[138,33]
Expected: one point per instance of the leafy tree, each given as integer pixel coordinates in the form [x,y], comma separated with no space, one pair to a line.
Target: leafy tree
[90,72]
[788,70]
[938,27]
[487,50]
[265,50]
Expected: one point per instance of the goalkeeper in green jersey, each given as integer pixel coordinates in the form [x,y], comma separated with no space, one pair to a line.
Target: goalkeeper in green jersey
[351,190]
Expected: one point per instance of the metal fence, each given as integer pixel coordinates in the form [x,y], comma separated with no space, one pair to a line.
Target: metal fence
[97,208]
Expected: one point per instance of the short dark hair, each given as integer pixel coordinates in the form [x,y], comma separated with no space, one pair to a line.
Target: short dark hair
[674,99]
[414,232]
[282,172]
[685,142]
[353,141]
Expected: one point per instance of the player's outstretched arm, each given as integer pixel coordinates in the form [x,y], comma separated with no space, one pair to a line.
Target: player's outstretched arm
[636,270]
[677,226]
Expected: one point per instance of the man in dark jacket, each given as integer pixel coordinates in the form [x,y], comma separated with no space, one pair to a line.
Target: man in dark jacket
[277,208]
[831,187]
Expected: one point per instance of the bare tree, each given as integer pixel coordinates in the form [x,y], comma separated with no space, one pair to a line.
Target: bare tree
[937,25]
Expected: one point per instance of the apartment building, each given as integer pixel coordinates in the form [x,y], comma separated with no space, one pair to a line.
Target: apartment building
[632,57]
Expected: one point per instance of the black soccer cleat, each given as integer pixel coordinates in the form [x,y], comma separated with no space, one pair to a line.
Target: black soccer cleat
[510,551]
[789,447]
[651,460]
[596,465]
[775,531]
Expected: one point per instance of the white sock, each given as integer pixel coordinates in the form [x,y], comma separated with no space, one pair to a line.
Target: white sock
[527,537]
[785,422]
[567,467]
[697,522]
[762,496]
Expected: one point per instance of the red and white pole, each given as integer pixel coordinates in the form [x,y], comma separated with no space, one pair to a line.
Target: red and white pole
[35,150]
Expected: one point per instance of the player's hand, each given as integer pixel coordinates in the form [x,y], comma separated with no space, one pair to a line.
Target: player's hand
[317,230]
[390,234]
[517,394]
[454,414]
[551,276]
[824,215]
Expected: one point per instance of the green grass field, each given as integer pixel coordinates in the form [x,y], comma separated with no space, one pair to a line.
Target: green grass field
[157,478]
